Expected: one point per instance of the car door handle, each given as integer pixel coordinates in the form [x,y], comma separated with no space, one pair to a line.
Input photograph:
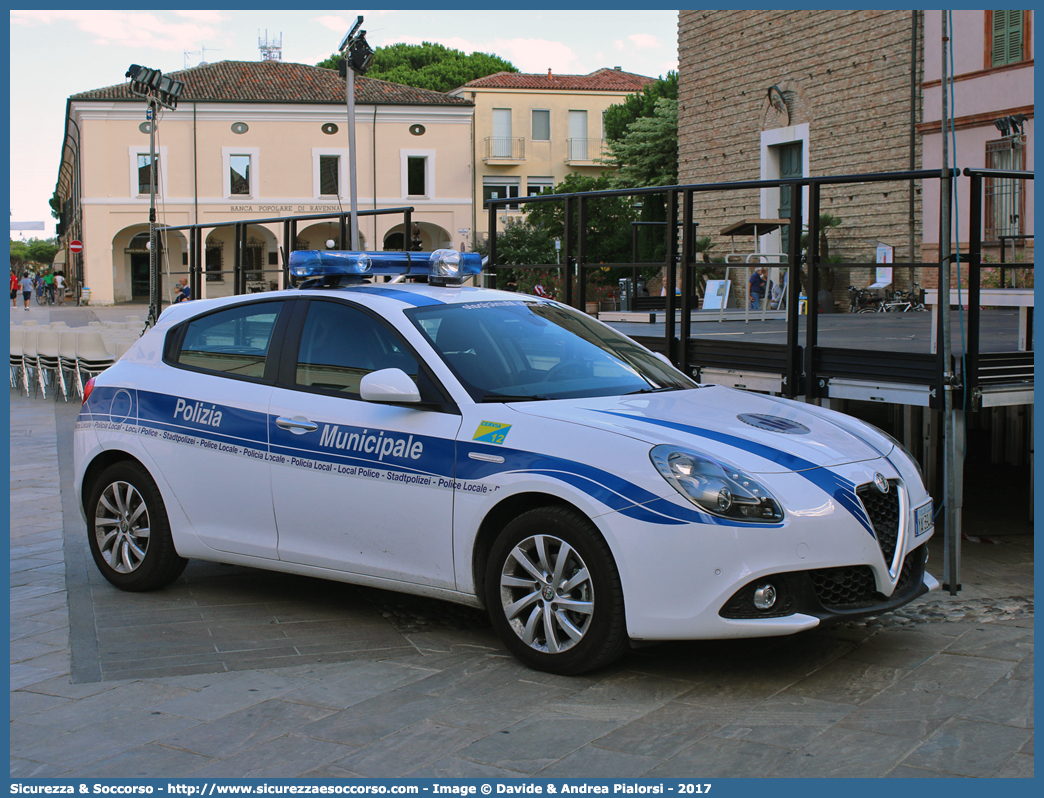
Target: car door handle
[298,425]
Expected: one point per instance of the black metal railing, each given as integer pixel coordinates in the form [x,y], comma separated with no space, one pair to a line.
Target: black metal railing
[980,370]
[247,273]
[805,367]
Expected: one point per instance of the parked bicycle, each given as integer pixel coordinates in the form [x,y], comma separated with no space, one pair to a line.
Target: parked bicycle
[862,300]
[904,301]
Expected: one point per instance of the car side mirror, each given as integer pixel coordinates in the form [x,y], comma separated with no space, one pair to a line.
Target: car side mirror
[665,359]
[389,385]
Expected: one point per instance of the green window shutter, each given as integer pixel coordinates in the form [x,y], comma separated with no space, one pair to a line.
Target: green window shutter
[1007,37]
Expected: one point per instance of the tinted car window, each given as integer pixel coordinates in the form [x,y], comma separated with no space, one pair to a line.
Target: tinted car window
[233,341]
[340,345]
[515,350]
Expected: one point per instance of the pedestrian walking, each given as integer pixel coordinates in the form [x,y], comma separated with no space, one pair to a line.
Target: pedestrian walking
[14,290]
[27,289]
[59,287]
[757,288]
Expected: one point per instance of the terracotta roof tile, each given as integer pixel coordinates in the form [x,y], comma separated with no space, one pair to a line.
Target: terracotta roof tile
[280,82]
[601,80]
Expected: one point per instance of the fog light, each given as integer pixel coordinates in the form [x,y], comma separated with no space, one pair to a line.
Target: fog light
[765,596]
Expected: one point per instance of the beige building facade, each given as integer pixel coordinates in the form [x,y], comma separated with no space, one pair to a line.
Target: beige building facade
[251,142]
[532,130]
[765,95]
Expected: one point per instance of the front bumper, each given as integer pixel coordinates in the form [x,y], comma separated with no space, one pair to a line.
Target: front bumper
[828,561]
[831,594]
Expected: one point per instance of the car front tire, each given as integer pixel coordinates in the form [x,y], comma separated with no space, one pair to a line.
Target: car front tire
[553,592]
[128,530]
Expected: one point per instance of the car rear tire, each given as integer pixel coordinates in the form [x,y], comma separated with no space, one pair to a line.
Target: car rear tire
[128,530]
[553,592]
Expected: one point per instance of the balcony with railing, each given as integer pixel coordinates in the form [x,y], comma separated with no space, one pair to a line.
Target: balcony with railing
[584,151]
[505,150]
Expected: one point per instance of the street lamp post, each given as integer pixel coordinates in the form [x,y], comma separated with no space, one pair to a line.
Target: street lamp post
[158,91]
[356,56]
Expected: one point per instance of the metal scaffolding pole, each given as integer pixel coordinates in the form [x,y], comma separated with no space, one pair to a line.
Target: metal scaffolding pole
[352,188]
[951,479]
[357,57]
[154,276]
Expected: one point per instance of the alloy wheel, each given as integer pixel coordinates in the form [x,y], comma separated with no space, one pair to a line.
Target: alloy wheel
[547,594]
[121,526]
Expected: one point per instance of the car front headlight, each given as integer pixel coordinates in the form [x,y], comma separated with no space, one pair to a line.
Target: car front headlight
[718,488]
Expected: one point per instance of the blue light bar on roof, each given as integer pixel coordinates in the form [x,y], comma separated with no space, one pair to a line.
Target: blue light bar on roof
[440,266]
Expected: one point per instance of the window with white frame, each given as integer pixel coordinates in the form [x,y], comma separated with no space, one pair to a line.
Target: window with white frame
[536,185]
[145,176]
[784,153]
[329,172]
[417,172]
[139,171]
[239,174]
[240,171]
[541,125]
[501,187]
[1005,202]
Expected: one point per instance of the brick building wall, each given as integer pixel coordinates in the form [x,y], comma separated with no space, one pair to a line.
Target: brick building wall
[845,79]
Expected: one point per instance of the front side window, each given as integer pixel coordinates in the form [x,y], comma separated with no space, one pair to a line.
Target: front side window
[529,350]
[341,344]
[233,341]
[239,174]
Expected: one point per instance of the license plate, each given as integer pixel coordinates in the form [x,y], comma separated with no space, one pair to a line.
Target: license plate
[924,519]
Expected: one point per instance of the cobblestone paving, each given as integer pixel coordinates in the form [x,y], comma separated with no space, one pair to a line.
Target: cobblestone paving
[942,688]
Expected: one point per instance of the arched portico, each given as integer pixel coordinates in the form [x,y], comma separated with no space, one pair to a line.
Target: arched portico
[260,261]
[316,235]
[431,237]
[131,259]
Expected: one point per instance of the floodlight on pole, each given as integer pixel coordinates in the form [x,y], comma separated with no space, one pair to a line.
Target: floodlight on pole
[356,56]
[157,90]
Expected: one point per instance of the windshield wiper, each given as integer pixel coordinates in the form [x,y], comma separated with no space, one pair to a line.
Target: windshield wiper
[504,397]
[655,390]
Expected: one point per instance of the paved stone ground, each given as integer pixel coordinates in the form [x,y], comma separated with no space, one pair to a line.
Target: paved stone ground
[397,686]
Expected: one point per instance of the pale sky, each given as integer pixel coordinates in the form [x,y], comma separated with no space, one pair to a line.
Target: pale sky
[55,54]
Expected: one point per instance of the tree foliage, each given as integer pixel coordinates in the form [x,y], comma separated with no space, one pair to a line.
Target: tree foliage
[608,218]
[35,250]
[647,153]
[639,105]
[533,242]
[524,244]
[428,65]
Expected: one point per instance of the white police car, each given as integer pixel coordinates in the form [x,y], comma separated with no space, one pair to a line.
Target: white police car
[493,449]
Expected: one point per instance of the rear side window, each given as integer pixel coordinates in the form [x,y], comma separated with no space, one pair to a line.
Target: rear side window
[234,341]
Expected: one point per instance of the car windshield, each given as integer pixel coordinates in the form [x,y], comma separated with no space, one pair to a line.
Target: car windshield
[510,351]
